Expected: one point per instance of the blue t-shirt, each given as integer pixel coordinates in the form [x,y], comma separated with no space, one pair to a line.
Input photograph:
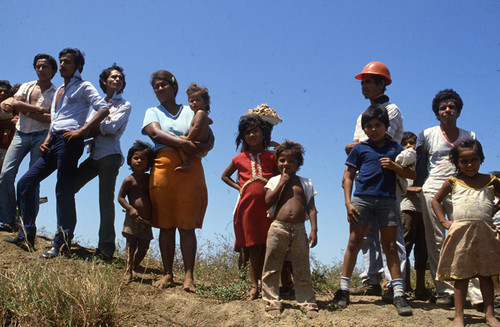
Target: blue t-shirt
[176,125]
[372,178]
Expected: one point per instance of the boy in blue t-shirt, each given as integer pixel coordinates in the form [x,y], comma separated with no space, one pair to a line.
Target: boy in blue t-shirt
[374,198]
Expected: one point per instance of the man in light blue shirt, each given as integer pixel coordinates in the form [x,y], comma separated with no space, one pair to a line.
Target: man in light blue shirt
[106,156]
[61,150]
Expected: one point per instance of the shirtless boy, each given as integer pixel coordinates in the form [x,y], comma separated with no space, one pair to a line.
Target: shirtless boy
[291,199]
[137,224]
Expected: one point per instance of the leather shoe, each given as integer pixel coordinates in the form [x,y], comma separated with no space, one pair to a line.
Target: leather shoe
[50,254]
[21,242]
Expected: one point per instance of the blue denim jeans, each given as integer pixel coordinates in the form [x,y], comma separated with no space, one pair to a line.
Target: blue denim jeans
[62,156]
[22,144]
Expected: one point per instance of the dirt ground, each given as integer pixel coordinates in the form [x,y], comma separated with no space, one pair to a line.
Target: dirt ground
[142,305]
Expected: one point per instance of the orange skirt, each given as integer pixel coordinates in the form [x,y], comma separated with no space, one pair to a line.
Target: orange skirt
[179,199]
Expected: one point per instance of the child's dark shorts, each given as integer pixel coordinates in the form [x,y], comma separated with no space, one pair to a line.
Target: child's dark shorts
[381,209]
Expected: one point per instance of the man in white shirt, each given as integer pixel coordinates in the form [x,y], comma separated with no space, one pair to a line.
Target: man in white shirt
[434,167]
[32,101]
[61,150]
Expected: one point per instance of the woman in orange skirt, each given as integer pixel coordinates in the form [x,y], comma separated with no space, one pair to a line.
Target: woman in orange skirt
[179,198]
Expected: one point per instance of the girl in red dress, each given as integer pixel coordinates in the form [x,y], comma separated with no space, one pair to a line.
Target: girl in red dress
[255,165]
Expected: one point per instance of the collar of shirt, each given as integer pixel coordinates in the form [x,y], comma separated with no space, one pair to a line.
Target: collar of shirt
[381,99]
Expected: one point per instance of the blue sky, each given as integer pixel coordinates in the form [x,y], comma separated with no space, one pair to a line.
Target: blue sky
[300,57]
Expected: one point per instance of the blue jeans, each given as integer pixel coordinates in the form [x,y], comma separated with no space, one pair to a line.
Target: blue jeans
[62,156]
[22,144]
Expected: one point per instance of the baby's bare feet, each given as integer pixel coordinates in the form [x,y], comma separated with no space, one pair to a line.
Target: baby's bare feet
[492,322]
[129,276]
[165,281]
[311,314]
[189,285]
[274,312]
[253,294]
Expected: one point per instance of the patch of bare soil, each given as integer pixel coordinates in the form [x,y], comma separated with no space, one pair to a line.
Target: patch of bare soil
[142,305]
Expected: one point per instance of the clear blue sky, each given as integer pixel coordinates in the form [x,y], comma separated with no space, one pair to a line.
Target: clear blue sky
[300,57]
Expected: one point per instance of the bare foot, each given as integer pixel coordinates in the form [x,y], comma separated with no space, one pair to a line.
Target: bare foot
[189,285]
[165,281]
[274,312]
[458,322]
[492,322]
[311,314]
[253,294]
[129,276]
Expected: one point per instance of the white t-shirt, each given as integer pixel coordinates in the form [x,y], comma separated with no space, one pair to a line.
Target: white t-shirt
[395,130]
[437,148]
[307,186]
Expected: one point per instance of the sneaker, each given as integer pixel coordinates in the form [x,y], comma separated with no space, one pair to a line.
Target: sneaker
[388,296]
[341,298]
[402,306]
[367,289]
[446,300]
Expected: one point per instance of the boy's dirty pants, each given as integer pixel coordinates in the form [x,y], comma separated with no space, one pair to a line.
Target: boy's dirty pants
[281,238]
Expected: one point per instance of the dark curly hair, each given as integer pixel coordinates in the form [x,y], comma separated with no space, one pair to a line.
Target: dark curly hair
[103,77]
[467,144]
[52,62]
[295,148]
[141,146]
[78,57]
[250,121]
[448,94]
[194,88]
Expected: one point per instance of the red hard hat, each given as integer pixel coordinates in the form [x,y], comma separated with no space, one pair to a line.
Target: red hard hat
[376,68]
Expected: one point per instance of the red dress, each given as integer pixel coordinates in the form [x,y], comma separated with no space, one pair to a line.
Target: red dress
[250,219]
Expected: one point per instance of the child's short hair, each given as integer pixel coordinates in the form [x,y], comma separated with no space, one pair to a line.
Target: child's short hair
[194,88]
[248,121]
[407,136]
[141,146]
[448,94]
[467,144]
[295,148]
[375,111]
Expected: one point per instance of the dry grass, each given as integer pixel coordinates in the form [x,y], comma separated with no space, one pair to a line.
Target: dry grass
[62,293]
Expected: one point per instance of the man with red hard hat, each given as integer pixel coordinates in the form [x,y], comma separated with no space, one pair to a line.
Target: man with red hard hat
[374,77]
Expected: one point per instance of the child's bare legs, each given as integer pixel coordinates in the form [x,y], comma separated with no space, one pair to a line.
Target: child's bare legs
[388,240]
[420,280]
[257,255]
[185,161]
[243,258]
[130,248]
[460,293]
[167,250]
[496,289]
[486,285]
[356,234]
[142,249]
[188,249]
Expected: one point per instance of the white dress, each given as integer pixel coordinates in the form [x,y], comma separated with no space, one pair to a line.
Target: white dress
[472,246]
